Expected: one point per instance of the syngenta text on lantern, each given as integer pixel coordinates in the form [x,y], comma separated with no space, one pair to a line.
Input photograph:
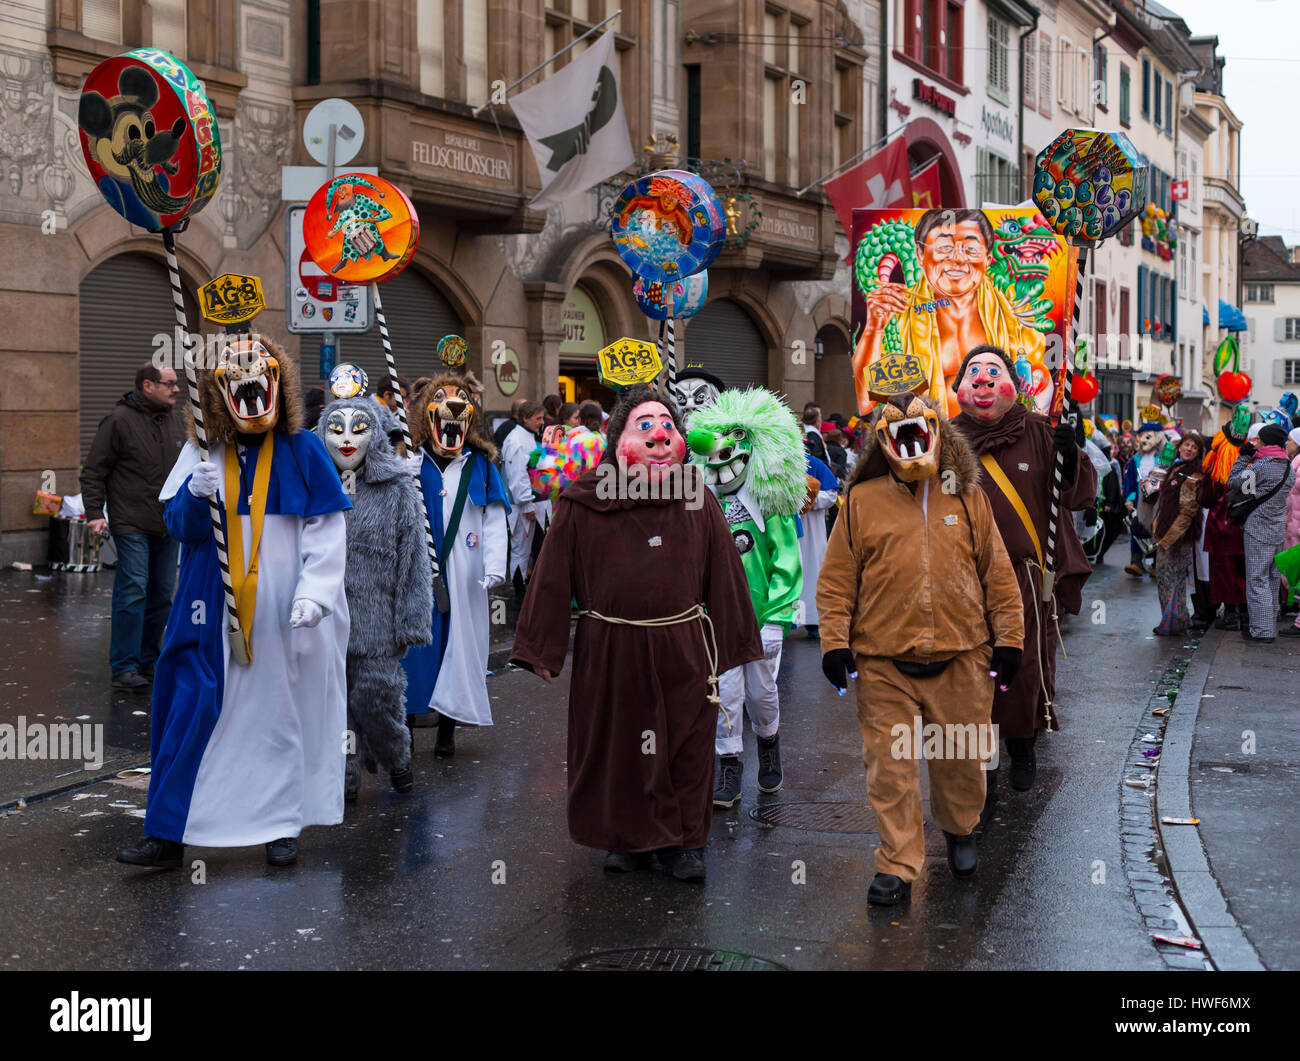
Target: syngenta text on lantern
[77,1014]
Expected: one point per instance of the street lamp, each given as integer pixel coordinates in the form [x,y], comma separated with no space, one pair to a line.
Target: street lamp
[1247,231]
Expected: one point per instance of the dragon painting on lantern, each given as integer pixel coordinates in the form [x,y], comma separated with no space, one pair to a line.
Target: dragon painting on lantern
[935,283]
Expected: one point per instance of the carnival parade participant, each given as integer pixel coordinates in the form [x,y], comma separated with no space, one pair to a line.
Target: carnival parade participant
[1176,529]
[696,388]
[1139,498]
[1017,449]
[750,450]
[524,508]
[251,752]
[467,505]
[1263,472]
[1223,540]
[388,584]
[915,585]
[812,543]
[663,609]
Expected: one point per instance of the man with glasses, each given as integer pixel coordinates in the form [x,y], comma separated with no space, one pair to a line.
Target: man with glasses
[953,307]
[133,452]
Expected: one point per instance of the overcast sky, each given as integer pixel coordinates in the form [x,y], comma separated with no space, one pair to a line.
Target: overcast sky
[1261,83]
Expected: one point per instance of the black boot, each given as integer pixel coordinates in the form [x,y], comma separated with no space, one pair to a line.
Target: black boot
[990,798]
[628,861]
[150,851]
[282,852]
[402,780]
[1024,767]
[445,747]
[963,857]
[888,890]
[351,779]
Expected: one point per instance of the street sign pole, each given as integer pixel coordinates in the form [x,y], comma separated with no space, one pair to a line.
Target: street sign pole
[329,349]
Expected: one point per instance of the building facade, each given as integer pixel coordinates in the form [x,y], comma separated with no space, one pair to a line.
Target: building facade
[1271,286]
[764,99]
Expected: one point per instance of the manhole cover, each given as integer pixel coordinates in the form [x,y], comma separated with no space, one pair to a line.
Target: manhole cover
[670,960]
[819,817]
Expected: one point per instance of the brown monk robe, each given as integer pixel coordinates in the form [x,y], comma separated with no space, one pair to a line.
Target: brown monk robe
[1021,444]
[638,559]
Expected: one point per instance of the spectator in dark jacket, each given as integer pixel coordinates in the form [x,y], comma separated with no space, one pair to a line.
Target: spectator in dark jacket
[129,460]
[812,436]
[838,456]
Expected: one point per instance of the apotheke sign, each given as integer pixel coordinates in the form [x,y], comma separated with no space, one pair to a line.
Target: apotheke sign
[997,125]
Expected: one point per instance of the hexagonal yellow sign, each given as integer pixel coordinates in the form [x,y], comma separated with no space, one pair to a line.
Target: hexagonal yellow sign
[231,298]
[625,362]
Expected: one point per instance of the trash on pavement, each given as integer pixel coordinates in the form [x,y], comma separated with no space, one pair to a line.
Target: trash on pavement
[1138,782]
[1179,941]
[1180,821]
[21,565]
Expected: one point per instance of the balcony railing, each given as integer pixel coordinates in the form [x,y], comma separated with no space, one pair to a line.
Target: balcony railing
[1225,195]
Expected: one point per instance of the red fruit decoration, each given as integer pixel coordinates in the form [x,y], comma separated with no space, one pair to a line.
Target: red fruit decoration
[1084,388]
[1234,386]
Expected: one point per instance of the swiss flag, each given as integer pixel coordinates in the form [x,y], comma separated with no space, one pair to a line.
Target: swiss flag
[1178,190]
[878,181]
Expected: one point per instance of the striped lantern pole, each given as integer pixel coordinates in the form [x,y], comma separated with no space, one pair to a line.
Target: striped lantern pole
[671,334]
[1062,397]
[401,419]
[235,635]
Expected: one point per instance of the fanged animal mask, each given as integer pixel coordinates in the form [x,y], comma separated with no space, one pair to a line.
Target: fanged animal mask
[445,416]
[450,410]
[907,431]
[248,378]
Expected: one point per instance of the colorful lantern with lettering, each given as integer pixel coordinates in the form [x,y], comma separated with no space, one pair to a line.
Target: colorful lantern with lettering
[360,228]
[688,295]
[1089,184]
[668,225]
[150,138]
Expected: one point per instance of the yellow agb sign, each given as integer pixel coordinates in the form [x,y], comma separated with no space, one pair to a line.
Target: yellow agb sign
[231,298]
[895,374]
[627,361]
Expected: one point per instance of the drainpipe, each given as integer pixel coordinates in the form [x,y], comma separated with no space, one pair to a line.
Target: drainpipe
[882,75]
[1020,105]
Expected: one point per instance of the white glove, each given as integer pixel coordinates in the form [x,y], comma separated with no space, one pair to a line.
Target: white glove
[773,637]
[413,464]
[305,613]
[492,581]
[205,479]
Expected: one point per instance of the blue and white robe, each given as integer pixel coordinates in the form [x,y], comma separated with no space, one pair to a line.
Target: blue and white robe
[246,754]
[450,675]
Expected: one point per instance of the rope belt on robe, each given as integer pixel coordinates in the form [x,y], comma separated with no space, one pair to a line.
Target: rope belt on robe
[695,611]
[1030,568]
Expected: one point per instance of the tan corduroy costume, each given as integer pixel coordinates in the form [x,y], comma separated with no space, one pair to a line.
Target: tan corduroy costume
[919,577]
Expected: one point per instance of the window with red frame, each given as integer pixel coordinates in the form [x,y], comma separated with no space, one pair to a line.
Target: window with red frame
[924,21]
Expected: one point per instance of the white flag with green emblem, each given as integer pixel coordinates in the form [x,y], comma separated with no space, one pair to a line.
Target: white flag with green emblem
[575,124]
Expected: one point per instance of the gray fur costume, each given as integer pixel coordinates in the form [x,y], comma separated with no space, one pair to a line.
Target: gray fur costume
[388,582]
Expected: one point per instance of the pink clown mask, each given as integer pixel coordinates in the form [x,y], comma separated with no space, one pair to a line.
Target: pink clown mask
[650,438]
[987,389]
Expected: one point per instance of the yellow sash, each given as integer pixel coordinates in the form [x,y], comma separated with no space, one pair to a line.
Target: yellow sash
[244,583]
[1009,492]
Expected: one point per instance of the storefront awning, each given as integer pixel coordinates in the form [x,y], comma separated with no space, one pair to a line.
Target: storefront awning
[1231,318]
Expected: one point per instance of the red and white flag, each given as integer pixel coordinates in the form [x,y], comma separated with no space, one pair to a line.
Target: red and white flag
[925,186]
[879,181]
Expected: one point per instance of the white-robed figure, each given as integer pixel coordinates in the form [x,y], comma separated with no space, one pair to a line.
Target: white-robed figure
[812,541]
[467,506]
[251,753]
[525,511]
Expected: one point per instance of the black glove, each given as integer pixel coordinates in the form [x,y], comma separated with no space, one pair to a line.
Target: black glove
[1005,664]
[839,666]
[1064,444]
[1247,449]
